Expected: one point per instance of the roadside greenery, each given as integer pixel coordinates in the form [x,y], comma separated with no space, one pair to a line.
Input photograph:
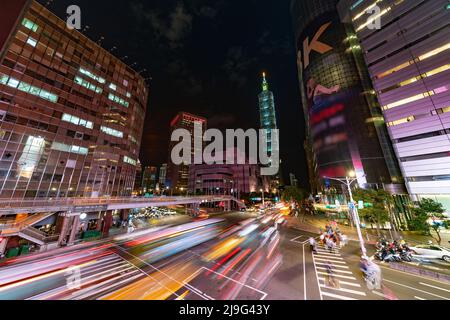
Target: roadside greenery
[428,209]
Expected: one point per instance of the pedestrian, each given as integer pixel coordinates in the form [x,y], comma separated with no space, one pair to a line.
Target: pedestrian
[313,244]
[322,238]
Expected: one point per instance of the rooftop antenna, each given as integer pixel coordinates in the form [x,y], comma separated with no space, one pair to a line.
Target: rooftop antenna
[143,70]
[86,28]
[112,49]
[124,58]
[49,2]
[100,40]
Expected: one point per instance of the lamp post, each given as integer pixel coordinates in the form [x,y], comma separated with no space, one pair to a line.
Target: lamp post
[348,182]
[263,200]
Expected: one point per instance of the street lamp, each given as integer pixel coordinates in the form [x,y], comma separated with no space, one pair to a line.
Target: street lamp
[349,180]
[263,200]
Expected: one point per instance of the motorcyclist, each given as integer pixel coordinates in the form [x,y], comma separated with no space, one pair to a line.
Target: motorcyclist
[372,273]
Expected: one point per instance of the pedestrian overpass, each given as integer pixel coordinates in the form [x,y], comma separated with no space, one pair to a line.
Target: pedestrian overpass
[79,205]
[38,210]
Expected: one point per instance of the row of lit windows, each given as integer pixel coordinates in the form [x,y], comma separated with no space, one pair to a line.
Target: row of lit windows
[25,87]
[129,161]
[67,148]
[112,132]
[113,87]
[422,76]
[412,118]
[88,85]
[30,25]
[415,98]
[411,62]
[118,100]
[77,121]
[92,76]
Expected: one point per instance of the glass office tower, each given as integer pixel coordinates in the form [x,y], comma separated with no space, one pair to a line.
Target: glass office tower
[71,114]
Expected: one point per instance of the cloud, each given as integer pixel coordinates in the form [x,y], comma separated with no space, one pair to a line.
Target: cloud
[236,64]
[173,27]
[208,12]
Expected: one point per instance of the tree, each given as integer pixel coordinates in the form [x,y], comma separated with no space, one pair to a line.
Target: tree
[377,213]
[426,210]
[293,194]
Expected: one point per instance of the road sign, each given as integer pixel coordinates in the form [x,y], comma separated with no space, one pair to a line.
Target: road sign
[351,206]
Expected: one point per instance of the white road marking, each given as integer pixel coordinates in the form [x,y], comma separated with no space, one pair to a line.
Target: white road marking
[328,256]
[295,239]
[419,298]
[429,285]
[359,293]
[335,256]
[324,264]
[337,275]
[326,260]
[403,285]
[346,283]
[341,271]
[332,295]
[304,273]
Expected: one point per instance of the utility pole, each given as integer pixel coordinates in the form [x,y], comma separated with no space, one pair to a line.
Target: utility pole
[353,209]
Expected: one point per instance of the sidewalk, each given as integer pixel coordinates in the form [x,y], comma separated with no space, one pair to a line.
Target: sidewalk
[314,224]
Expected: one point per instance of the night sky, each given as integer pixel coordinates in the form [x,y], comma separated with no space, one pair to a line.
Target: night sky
[205,57]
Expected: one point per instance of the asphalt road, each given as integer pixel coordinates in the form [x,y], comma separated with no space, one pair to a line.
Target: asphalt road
[227,257]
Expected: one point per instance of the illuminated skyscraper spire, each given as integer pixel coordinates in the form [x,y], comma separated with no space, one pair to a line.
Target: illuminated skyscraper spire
[268,118]
[265,84]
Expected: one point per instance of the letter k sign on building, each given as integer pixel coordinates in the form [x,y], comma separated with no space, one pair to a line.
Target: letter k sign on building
[315,45]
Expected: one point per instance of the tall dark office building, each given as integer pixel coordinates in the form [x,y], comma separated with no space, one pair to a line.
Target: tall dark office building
[178,175]
[71,114]
[344,124]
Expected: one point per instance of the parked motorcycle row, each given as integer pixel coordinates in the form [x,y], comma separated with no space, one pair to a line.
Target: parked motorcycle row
[393,251]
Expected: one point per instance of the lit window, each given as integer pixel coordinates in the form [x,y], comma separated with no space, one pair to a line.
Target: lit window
[118,100]
[401,121]
[420,58]
[128,95]
[129,160]
[88,85]
[416,97]
[13,83]
[77,121]
[125,83]
[112,132]
[3,79]
[32,42]
[67,148]
[112,86]
[29,25]
[92,76]
[25,87]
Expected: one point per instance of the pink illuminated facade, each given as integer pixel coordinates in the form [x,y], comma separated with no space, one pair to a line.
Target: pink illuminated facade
[408,61]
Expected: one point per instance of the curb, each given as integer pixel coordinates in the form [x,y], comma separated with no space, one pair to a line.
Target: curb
[419,271]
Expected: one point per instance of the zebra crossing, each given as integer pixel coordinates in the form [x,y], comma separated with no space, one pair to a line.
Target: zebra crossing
[347,288]
[96,278]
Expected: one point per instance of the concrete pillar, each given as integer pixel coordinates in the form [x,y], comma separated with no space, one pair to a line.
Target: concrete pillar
[107,222]
[65,228]
[3,245]
[75,226]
